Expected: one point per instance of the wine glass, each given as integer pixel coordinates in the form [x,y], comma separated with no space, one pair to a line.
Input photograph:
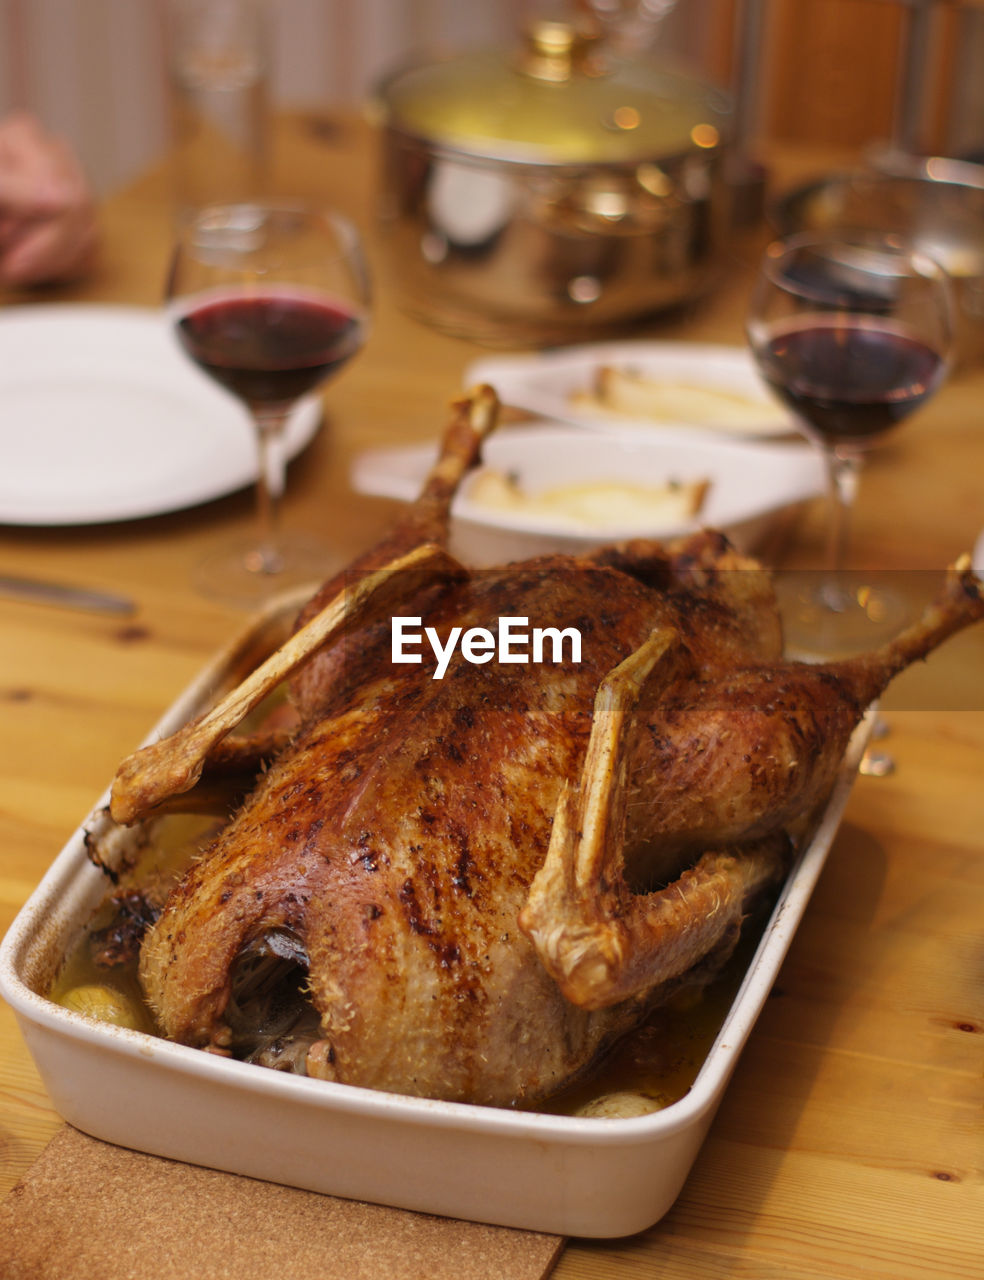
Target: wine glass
[270,298]
[853,332]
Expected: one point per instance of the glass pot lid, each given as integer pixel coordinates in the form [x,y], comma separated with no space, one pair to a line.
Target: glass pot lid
[561,99]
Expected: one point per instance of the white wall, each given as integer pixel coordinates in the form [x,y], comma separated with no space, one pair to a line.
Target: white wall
[94,69]
[91,70]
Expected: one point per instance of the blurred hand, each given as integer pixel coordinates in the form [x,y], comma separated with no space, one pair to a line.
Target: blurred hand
[47,216]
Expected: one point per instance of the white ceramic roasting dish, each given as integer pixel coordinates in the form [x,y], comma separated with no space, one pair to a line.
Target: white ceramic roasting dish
[550,1173]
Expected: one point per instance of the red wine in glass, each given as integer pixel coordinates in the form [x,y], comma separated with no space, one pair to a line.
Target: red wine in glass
[849,379]
[271,348]
[270,299]
[853,332]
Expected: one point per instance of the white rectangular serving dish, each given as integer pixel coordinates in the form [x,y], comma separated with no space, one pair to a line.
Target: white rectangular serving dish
[546,383]
[549,1173]
[752,484]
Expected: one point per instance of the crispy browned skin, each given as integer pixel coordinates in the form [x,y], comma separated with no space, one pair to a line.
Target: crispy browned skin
[397,840]
[734,753]
[391,847]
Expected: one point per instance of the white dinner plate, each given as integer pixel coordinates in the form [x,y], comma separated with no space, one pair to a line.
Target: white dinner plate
[103,418]
[545,383]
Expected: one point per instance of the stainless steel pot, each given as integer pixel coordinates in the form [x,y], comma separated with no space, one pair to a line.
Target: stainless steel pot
[552,194]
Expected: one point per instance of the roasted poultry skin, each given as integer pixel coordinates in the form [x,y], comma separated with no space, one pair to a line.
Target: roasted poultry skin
[480,882]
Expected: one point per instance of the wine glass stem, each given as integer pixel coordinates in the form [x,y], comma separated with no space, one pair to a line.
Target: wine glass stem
[843,476]
[270,483]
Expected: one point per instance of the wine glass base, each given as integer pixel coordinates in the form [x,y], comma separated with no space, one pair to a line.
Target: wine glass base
[239,574]
[825,617]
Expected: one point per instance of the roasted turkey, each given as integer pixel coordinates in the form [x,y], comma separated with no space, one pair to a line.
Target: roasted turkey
[468,887]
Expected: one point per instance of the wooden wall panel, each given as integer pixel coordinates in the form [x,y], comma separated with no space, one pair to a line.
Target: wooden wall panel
[830,70]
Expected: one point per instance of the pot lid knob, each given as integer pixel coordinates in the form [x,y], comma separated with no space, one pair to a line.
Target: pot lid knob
[554,50]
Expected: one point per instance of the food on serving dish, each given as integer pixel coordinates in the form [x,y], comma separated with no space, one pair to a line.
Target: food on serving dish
[106,1004]
[631,393]
[469,887]
[596,504]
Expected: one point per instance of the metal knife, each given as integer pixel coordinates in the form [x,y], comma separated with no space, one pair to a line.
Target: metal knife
[65,596]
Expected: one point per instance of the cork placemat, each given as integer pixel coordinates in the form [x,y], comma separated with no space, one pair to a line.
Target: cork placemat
[87,1210]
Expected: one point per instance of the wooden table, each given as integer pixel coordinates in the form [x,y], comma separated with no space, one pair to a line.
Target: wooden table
[850,1142]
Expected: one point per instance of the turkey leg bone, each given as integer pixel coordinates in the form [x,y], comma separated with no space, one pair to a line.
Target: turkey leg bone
[173,765]
[600,942]
[426,519]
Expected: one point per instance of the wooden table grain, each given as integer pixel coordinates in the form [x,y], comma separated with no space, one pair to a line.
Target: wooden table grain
[851,1139]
